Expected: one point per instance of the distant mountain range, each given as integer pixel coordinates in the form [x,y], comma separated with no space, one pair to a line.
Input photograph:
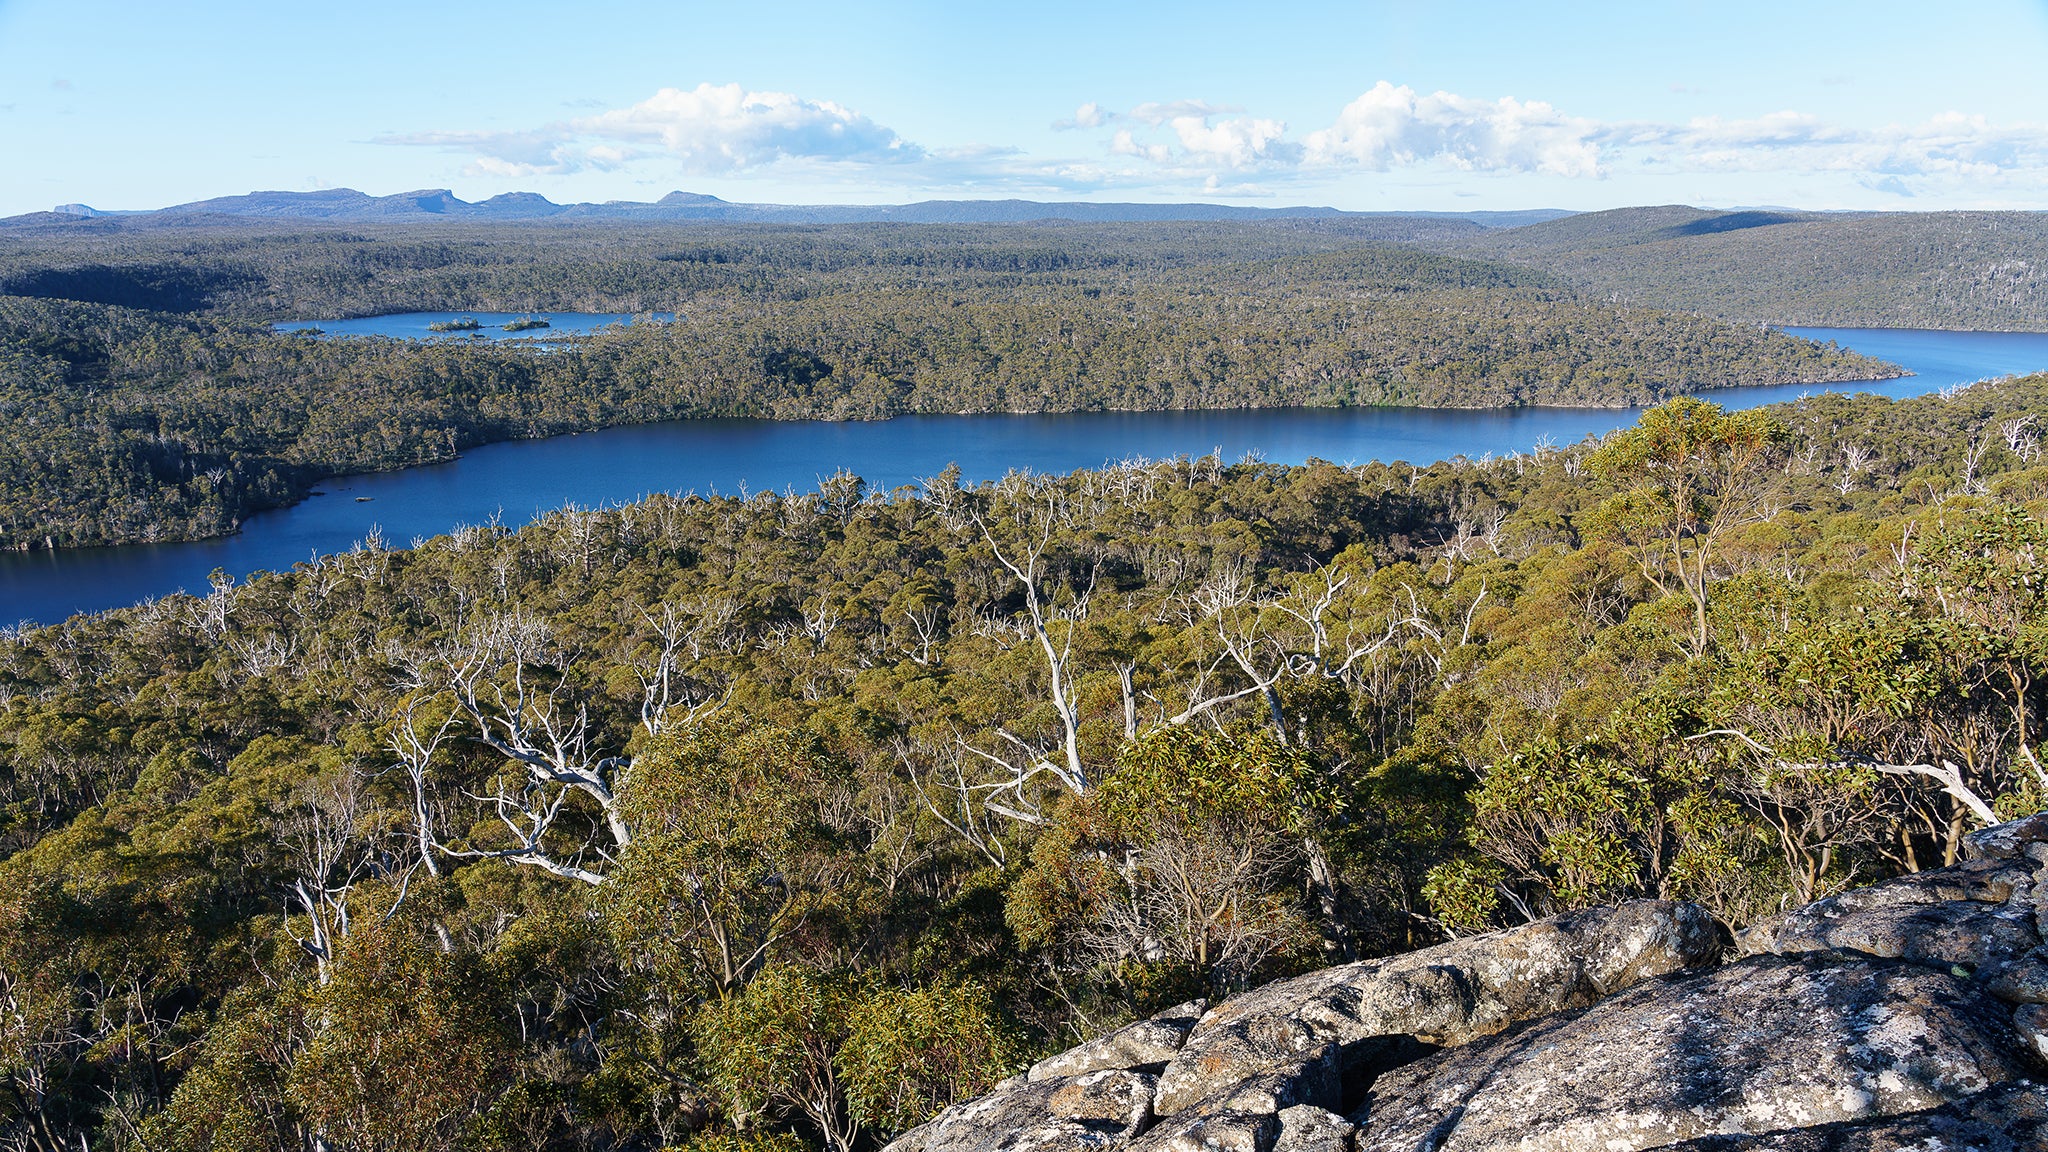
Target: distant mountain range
[346,205]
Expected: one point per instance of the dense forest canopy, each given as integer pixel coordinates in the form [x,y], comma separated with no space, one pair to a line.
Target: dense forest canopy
[1960,270]
[275,271]
[146,399]
[783,821]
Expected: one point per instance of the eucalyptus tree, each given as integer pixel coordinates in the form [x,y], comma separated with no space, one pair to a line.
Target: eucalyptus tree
[1690,475]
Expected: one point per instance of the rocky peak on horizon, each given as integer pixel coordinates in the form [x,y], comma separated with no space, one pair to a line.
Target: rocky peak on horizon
[347,205]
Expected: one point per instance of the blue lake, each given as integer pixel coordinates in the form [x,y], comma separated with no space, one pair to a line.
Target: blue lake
[419,325]
[520,478]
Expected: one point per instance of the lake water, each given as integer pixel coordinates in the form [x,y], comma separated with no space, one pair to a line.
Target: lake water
[521,478]
[419,325]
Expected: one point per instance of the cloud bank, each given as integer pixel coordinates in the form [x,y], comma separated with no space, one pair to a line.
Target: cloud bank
[1391,127]
[1946,145]
[709,129]
[724,129]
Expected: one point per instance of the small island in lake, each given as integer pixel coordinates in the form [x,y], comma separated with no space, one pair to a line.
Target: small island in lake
[466,324]
[526,324]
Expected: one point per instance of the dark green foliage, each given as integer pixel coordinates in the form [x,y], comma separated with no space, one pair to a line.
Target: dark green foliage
[165,287]
[844,1056]
[130,425]
[853,890]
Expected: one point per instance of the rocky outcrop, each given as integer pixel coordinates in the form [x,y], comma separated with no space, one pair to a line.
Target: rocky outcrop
[1979,913]
[1377,1010]
[1100,1109]
[2009,1118]
[1909,1014]
[1141,1045]
[1760,1046]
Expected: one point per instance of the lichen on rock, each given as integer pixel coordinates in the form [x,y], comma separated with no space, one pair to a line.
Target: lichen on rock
[1908,1014]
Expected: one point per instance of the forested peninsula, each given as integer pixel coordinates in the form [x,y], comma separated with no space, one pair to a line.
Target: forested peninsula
[147,398]
[787,821]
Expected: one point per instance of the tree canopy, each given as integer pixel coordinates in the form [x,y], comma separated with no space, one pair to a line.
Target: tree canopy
[750,822]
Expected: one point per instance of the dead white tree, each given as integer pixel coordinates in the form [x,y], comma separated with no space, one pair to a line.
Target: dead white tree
[1006,784]
[821,619]
[1005,632]
[1026,562]
[1944,773]
[414,742]
[1335,644]
[1970,483]
[944,498]
[266,653]
[507,680]
[1856,459]
[938,777]
[212,616]
[323,833]
[1802,461]
[1228,605]
[680,636]
[1212,901]
[2020,438]
[509,688]
[927,626]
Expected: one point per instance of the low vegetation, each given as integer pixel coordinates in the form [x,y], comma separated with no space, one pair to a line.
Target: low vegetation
[784,821]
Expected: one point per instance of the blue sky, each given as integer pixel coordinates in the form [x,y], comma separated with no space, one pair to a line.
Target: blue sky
[1362,105]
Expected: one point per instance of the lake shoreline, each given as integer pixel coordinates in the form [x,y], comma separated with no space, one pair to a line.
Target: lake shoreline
[307,492]
[532,476]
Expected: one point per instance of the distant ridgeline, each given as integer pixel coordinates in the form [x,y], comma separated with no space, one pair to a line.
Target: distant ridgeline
[149,402]
[1962,270]
[346,205]
[1965,270]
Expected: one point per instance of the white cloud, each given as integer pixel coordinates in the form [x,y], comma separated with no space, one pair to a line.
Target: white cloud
[1195,137]
[712,128]
[554,149]
[1180,146]
[1386,128]
[1156,113]
[722,128]
[1391,127]
[1239,142]
[1124,143]
[1950,144]
[1089,115]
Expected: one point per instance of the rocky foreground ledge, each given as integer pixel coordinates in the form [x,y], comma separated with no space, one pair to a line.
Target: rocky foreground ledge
[1910,1014]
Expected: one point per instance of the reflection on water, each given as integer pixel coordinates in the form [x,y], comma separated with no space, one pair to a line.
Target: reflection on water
[521,478]
[455,325]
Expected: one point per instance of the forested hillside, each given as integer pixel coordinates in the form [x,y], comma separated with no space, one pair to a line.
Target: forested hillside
[782,822]
[142,401]
[1965,270]
[298,270]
